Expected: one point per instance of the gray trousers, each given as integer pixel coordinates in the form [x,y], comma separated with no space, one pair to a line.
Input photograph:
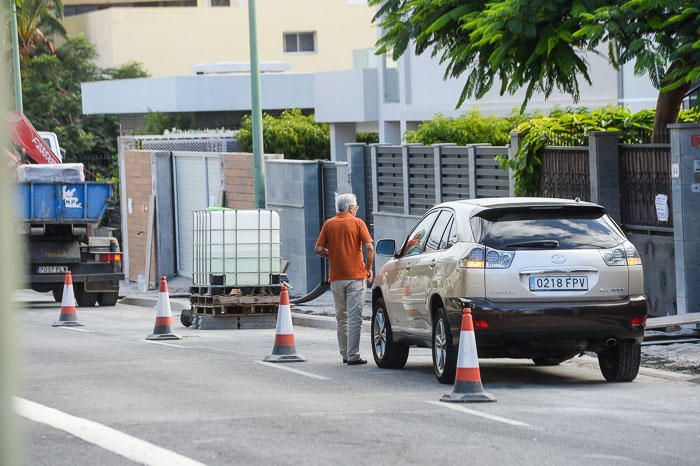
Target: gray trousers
[349,297]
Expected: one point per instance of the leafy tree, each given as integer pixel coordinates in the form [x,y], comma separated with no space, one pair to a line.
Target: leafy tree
[293,134]
[53,102]
[540,45]
[158,123]
[37,21]
[466,129]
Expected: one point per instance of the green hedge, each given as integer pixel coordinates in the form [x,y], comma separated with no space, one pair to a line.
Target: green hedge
[293,134]
[466,129]
[535,133]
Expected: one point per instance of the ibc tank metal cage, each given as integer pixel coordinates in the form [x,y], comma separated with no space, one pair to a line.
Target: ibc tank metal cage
[243,246]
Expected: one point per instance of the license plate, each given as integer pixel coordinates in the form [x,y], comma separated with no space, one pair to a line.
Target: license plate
[52,269]
[558,283]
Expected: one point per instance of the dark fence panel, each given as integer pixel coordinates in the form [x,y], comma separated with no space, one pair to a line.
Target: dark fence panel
[100,167]
[390,180]
[491,179]
[421,179]
[565,173]
[645,171]
[455,173]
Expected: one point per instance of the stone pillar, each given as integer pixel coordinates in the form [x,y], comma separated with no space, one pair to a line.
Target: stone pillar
[406,181]
[604,169]
[356,176]
[341,134]
[685,189]
[512,150]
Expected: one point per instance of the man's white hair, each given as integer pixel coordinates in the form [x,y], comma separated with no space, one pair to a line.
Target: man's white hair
[344,201]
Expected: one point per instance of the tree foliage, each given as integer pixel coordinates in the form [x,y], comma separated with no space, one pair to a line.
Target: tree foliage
[53,102]
[293,134]
[541,45]
[37,22]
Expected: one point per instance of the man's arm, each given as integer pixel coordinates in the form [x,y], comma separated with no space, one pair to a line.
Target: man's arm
[321,243]
[369,260]
[321,251]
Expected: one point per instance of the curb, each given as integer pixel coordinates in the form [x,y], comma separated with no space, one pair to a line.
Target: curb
[176,305]
[321,322]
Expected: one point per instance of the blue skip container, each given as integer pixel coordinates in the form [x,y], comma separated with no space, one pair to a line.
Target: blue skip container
[63,202]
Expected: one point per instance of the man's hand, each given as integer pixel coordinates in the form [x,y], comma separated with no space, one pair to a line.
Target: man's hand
[370,276]
[323,252]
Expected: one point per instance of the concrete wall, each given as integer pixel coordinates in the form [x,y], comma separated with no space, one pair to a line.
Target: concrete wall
[293,190]
[659,278]
[168,41]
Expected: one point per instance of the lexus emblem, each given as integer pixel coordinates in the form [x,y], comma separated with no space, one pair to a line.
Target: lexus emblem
[558,259]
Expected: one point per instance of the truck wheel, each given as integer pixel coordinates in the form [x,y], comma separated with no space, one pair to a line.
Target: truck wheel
[621,362]
[57,294]
[84,298]
[186,317]
[108,299]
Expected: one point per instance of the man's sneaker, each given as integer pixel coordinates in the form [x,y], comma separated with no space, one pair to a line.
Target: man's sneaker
[357,362]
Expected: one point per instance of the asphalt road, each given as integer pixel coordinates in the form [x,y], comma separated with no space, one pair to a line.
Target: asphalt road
[207,398]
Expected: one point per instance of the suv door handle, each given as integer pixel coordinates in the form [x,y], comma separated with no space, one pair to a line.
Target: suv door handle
[432,265]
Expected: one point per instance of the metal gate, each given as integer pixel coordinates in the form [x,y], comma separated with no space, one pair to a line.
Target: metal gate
[199,184]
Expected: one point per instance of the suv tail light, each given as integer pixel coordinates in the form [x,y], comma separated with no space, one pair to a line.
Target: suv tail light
[624,254]
[480,258]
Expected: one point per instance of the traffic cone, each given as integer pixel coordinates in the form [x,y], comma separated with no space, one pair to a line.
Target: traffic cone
[284,350]
[163,329]
[468,388]
[68,317]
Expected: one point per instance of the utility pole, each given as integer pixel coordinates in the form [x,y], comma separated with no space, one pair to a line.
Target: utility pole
[15,57]
[258,162]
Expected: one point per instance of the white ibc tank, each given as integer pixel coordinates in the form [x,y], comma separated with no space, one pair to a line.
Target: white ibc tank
[244,245]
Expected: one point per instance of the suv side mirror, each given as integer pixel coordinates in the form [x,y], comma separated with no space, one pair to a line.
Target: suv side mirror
[386,247]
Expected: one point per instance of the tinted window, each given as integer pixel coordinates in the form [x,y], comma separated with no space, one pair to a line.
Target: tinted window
[416,240]
[450,236]
[546,228]
[438,231]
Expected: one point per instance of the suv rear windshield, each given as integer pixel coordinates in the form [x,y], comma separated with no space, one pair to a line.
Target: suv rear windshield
[558,227]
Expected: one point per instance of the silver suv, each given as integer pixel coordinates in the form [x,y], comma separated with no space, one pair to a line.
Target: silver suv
[546,279]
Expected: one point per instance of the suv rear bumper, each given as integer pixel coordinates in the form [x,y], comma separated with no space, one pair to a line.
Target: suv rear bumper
[554,328]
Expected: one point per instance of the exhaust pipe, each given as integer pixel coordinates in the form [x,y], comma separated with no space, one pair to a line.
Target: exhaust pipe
[610,342]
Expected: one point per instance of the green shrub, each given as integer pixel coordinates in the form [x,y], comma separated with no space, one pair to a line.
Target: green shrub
[634,128]
[367,137]
[293,134]
[466,129]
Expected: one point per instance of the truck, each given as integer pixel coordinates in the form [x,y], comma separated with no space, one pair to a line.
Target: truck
[60,215]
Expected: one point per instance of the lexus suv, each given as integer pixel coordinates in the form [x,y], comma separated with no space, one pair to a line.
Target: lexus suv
[546,279]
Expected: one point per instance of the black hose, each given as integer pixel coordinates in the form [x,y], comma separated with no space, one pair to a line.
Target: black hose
[315,293]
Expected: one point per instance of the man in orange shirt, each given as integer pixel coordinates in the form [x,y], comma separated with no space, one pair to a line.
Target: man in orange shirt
[341,240]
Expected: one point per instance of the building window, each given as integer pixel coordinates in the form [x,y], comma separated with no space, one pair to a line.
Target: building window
[220,3]
[299,42]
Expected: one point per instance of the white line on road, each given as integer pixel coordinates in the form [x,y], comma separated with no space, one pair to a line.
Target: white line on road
[129,447]
[473,412]
[165,344]
[76,329]
[296,371]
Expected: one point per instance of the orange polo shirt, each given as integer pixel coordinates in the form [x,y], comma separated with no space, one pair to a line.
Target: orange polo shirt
[343,236]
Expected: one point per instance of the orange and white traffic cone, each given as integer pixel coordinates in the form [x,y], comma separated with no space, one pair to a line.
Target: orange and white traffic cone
[163,329]
[284,349]
[68,318]
[468,388]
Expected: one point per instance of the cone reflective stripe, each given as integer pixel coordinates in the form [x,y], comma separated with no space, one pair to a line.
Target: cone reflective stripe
[468,387]
[163,329]
[68,317]
[284,349]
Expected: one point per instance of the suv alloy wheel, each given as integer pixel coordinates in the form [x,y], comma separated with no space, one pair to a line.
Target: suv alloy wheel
[387,353]
[444,351]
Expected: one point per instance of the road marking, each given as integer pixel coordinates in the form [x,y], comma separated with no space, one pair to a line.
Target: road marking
[473,412]
[76,329]
[129,447]
[165,344]
[296,371]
